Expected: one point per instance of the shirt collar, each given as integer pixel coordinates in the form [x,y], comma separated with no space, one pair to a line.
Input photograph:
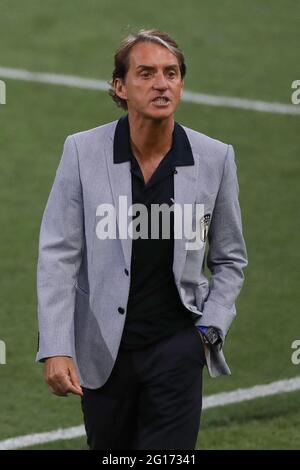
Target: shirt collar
[182,154]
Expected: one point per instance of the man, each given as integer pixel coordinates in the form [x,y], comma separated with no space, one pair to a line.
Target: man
[128,321]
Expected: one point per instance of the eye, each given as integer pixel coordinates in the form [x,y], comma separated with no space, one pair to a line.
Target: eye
[172,74]
[146,74]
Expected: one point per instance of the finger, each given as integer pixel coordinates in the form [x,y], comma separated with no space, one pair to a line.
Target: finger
[75,390]
[66,385]
[75,381]
[57,391]
[60,383]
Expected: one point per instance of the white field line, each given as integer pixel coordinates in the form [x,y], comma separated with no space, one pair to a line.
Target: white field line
[212,401]
[42,437]
[188,96]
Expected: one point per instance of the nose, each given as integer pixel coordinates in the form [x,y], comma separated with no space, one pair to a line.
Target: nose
[160,82]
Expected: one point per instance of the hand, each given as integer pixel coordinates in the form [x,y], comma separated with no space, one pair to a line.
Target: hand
[61,376]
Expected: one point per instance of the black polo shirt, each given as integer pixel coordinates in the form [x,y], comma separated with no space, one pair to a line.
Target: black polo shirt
[154,308]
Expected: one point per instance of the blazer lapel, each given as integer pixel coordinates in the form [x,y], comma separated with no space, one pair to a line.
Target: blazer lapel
[184,193]
[120,183]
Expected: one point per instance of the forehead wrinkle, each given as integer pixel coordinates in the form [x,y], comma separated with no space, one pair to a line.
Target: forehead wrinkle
[147,66]
[142,48]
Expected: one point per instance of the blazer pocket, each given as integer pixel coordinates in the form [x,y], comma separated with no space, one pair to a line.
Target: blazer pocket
[201,294]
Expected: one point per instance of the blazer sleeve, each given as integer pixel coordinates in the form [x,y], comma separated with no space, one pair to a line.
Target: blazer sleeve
[60,252]
[227,255]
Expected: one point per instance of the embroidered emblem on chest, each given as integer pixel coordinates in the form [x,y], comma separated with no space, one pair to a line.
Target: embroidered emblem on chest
[204,225]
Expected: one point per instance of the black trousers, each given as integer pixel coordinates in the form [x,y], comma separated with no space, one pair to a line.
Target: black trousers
[152,399]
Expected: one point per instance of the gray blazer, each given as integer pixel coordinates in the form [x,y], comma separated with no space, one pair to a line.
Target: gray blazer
[81,280]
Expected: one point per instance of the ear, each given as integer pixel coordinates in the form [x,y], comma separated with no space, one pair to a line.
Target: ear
[120,88]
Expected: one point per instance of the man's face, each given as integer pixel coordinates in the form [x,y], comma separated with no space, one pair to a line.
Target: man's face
[153,84]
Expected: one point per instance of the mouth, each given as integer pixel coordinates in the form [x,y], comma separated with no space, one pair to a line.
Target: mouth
[161,101]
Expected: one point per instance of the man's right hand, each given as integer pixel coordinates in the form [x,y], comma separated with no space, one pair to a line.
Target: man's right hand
[61,376]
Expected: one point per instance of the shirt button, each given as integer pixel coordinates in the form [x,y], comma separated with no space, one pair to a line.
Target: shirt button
[121,310]
[126,272]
